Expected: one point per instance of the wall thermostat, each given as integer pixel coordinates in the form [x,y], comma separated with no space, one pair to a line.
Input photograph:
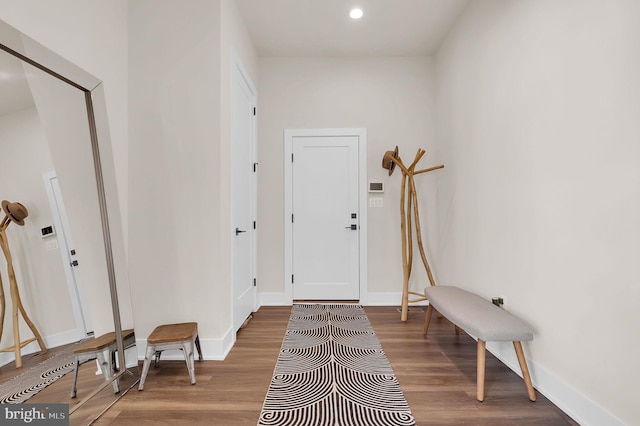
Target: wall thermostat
[48,231]
[376,187]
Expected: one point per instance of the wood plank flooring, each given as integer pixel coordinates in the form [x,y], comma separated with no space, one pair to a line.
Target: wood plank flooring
[60,390]
[437,375]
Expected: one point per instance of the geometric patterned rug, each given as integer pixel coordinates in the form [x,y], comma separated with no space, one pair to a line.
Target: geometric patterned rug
[332,371]
[22,387]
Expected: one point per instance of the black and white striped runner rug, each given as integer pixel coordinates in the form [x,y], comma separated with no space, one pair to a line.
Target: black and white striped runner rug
[21,388]
[332,371]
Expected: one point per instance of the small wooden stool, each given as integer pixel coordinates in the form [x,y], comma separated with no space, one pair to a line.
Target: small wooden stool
[103,349]
[182,336]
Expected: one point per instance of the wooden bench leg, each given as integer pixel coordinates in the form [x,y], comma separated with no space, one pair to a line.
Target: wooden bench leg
[480,368]
[427,319]
[525,370]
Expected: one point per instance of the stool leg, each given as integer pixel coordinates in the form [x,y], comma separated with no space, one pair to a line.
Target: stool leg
[481,361]
[114,370]
[74,388]
[104,358]
[104,363]
[198,347]
[187,348]
[145,367]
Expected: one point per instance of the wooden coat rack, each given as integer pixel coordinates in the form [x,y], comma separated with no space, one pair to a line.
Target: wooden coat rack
[15,212]
[408,213]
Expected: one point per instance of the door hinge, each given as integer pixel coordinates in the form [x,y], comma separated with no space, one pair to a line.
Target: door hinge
[254,282]
[292,158]
[254,224]
[291,278]
[255,167]
[291,217]
[254,110]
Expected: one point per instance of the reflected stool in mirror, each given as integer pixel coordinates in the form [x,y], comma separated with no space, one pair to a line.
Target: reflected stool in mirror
[104,349]
[182,336]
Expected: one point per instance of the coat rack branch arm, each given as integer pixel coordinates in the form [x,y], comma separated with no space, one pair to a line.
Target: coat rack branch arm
[430,169]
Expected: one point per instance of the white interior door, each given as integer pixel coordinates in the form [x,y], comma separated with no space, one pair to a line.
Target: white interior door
[243,140]
[326,218]
[70,260]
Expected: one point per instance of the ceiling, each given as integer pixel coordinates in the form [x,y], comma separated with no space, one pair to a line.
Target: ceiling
[323,27]
[309,28]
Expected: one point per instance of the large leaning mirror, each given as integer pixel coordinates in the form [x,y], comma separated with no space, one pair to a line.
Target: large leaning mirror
[62,260]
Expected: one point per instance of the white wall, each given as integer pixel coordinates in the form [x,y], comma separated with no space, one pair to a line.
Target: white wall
[92,35]
[62,114]
[538,106]
[180,180]
[180,229]
[174,233]
[393,99]
[39,273]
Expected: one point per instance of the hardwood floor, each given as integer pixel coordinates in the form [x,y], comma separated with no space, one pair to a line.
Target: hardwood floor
[59,392]
[437,375]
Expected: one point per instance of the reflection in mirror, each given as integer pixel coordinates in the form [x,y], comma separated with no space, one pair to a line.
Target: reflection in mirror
[60,257]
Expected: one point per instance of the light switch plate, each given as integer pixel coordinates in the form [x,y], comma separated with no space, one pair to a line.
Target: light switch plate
[376,202]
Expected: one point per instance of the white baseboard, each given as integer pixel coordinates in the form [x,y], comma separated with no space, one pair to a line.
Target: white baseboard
[273,299]
[390,299]
[576,405]
[212,349]
[373,299]
[64,338]
[52,341]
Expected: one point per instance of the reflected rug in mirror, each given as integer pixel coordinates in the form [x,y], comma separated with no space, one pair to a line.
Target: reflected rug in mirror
[332,371]
[22,387]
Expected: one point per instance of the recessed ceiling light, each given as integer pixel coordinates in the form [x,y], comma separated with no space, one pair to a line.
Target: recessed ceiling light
[356,13]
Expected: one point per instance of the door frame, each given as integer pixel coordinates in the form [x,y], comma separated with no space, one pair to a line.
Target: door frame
[239,72]
[289,135]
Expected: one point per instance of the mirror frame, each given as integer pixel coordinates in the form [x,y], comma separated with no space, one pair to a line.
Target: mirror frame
[17,44]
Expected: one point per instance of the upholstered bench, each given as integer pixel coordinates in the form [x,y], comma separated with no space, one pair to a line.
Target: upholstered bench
[172,336]
[481,319]
[103,349]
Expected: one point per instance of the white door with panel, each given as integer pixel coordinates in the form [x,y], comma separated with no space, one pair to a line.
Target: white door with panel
[63,240]
[243,141]
[325,218]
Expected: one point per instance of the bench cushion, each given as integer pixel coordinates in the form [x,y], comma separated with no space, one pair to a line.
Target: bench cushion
[477,316]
